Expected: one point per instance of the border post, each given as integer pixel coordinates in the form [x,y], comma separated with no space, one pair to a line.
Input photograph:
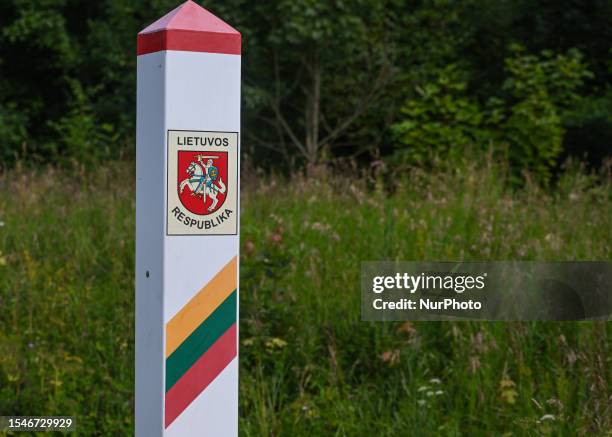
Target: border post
[187,225]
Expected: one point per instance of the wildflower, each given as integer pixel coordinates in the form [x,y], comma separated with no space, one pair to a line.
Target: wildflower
[474,364]
[554,241]
[407,328]
[276,343]
[508,393]
[276,238]
[391,357]
[547,417]
[276,218]
[435,381]
[249,247]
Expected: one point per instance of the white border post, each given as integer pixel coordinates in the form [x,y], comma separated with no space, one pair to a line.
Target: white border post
[187,225]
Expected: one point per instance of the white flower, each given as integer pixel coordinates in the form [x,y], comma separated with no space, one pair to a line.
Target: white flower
[435,381]
[439,393]
[423,388]
[547,417]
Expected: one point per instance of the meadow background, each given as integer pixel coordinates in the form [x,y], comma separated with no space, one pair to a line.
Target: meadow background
[308,365]
[372,130]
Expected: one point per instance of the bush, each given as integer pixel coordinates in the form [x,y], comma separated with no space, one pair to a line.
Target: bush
[541,89]
[81,137]
[440,120]
[528,121]
[12,131]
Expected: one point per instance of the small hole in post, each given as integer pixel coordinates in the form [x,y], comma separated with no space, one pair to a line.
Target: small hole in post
[147,274]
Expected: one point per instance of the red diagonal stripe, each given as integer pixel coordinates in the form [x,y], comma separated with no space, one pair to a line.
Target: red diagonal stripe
[200,375]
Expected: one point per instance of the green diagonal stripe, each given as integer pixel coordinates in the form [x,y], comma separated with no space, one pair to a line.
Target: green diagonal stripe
[200,340]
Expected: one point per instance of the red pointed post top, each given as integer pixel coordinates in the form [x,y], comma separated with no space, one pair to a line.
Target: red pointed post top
[189,28]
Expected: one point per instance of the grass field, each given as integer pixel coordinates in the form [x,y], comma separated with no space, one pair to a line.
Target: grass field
[308,365]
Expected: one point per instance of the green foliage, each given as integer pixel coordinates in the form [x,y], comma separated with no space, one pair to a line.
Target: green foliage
[535,134]
[550,76]
[42,26]
[12,131]
[442,118]
[542,88]
[81,138]
[329,76]
[308,365]
[302,91]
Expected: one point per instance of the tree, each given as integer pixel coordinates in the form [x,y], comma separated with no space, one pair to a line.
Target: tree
[321,66]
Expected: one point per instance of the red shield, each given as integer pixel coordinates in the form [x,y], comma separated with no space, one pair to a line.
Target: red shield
[202,179]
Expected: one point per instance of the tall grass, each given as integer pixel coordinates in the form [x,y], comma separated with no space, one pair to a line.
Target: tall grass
[308,365]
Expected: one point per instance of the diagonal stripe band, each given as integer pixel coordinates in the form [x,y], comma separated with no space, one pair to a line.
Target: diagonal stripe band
[201,306]
[201,340]
[200,375]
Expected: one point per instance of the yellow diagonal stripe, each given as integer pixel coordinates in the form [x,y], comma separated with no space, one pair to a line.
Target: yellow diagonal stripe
[201,306]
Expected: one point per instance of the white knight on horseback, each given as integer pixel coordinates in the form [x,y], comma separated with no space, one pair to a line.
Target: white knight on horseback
[204,180]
